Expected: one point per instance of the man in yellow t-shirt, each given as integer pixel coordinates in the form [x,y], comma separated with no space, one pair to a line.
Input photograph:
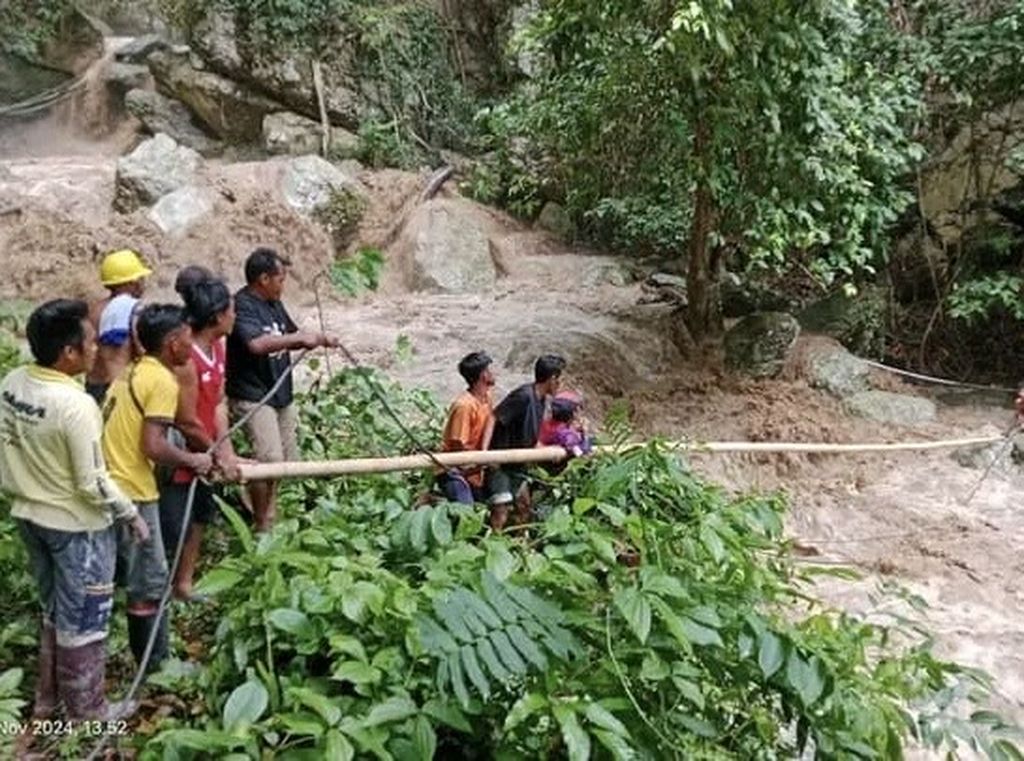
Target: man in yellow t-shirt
[139,409]
[469,427]
[65,506]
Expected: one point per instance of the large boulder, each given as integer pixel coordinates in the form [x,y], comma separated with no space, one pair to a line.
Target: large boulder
[555,219]
[284,73]
[309,181]
[835,370]
[230,110]
[890,408]
[138,49]
[159,114]
[445,248]
[758,345]
[157,167]
[177,212]
[999,456]
[858,321]
[286,132]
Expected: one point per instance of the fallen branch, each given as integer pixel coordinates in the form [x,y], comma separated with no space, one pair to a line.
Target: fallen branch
[367,465]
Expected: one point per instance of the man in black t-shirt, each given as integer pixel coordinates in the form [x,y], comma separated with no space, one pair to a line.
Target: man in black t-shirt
[517,422]
[257,356]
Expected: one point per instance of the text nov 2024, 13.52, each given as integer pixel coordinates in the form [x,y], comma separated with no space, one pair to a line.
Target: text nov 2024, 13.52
[56,728]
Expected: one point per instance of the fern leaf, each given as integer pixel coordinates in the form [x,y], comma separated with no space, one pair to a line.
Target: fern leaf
[460,601]
[534,605]
[499,599]
[508,654]
[490,658]
[527,647]
[472,668]
[457,680]
[482,610]
[451,616]
[433,637]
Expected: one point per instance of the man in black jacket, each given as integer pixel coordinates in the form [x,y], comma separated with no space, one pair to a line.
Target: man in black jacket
[517,426]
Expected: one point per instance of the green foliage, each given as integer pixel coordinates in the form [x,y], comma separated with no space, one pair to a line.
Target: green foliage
[358,273]
[365,626]
[767,129]
[977,299]
[26,25]
[341,215]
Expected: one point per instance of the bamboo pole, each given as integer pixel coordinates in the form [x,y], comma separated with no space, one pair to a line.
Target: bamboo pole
[363,466]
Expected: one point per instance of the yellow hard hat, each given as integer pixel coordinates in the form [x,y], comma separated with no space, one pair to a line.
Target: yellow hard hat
[124,266]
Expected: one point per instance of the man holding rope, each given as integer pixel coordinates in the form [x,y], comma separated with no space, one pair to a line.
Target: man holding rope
[258,355]
[140,407]
[65,505]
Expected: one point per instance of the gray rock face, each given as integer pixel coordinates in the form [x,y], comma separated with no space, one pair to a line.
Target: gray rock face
[157,167]
[555,219]
[445,248]
[230,110]
[178,211]
[887,407]
[308,181]
[857,322]
[122,77]
[758,345]
[286,132]
[837,371]
[999,456]
[285,74]
[138,49]
[159,114]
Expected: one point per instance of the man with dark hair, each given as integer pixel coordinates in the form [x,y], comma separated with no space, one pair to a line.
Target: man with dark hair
[124,274]
[140,407]
[203,417]
[65,505]
[258,355]
[517,426]
[468,428]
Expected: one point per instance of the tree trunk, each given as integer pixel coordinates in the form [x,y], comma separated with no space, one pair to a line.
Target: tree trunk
[703,318]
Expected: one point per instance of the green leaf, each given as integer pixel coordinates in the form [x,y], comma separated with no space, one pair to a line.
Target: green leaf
[238,525]
[434,638]
[481,609]
[292,621]
[392,709]
[805,678]
[9,681]
[500,561]
[457,680]
[196,739]
[524,708]
[636,610]
[361,597]
[499,599]
[490,658]
[245,705]
[536,606]
[452,617]
[301,723]
[582,505]
[771,654]
[356,672]
[577,741]
[218,580]
[713,543]
[527,647]
[699,634]
[616,745]
[447,713]
[605,719]
[471,666]
[420,528]
[323,705]
[508,654]
[689,690]
[441,526]
[424,739]
[337,747]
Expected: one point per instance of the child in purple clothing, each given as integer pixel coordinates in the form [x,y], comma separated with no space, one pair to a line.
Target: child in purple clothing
[564,429]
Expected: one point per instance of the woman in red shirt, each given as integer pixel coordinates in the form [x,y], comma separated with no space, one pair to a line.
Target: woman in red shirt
[202,417]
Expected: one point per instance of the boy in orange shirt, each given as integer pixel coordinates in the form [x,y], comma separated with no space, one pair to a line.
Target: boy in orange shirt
[468,428]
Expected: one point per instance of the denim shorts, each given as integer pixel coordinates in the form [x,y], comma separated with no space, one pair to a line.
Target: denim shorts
[142,567]
[74,571]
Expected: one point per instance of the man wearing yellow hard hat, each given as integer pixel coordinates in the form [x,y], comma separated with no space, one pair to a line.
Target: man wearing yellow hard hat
[124,274]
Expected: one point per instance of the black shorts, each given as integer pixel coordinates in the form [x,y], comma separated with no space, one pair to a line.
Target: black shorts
[173,500]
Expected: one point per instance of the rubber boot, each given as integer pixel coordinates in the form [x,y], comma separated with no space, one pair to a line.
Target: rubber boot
[80,674]
[139,630]
[46,685]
